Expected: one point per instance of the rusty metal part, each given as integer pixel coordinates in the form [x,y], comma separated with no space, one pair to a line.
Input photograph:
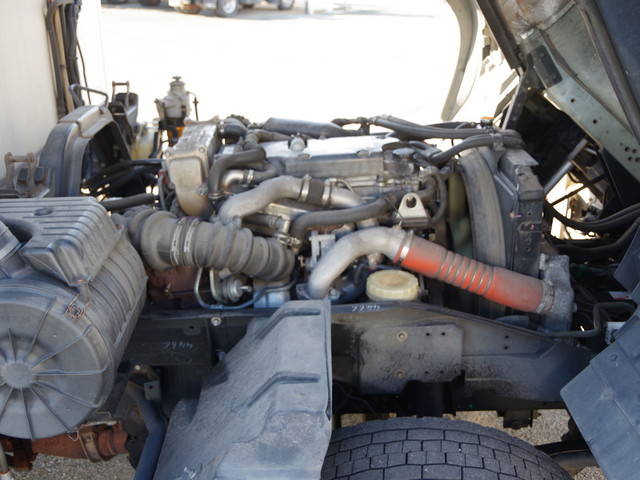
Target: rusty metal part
[22,456]
[95,443]
[174,284]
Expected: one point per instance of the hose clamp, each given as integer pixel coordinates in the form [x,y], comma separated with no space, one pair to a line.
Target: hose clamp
[548,296]
[249,176]
[304,188]
[405,246]
[498,141]
[326,193]
[181,241]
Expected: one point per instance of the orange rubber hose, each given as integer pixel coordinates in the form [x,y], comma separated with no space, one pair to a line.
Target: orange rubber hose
[497,284]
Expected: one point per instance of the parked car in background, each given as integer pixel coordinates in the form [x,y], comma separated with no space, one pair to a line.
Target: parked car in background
[223,8]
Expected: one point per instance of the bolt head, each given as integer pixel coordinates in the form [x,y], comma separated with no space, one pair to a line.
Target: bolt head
[216,321]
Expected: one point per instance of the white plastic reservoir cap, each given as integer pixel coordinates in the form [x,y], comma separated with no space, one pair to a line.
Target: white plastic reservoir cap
[392,285]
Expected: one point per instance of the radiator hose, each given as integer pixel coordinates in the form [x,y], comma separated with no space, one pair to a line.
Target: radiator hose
[497,284]
[165,241]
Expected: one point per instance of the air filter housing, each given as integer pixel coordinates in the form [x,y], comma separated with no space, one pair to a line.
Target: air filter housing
[71,291]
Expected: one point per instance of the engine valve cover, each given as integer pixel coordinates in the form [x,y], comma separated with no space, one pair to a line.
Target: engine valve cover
[71,290]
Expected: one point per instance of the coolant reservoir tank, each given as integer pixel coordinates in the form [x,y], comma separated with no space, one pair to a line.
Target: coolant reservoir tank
[396,285]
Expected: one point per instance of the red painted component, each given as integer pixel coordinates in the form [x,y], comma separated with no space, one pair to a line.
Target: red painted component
[497,284]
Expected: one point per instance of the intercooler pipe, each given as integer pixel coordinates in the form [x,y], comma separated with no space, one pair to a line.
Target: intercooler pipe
[306,190]
[165,241]
[496,284]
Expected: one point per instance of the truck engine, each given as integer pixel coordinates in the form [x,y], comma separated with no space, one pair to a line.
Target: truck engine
[369,264]
[234,216]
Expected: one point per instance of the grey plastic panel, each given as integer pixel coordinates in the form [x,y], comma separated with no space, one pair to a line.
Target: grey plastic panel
[265,412]
[604,401]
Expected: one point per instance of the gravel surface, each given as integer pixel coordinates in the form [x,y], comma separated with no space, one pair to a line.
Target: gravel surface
[547,428]
[53,468]
[318,67]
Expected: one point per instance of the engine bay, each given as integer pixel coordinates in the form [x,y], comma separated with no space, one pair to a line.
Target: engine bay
[423,252]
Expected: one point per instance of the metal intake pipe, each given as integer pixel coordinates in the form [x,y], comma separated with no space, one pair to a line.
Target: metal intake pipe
[305,190]
[497,284]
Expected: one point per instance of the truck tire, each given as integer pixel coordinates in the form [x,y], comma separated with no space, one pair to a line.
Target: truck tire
[227,8]
[149,3]
[433,449]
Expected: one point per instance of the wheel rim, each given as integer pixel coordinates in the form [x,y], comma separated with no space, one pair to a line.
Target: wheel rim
[229,6]
[287,3]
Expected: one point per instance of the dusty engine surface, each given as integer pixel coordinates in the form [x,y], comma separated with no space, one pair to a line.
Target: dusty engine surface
[71,290]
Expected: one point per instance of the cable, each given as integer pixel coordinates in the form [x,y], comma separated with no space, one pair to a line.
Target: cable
[593,253]
[616,220]
[84,74]
[422,132]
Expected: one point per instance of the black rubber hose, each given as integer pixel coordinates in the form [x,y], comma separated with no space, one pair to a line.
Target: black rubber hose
[258,135]
[232,128]
[345,215]
[112,173]
[598,308]
[269,171]
[481,140]
[166,241]
[221,163]
[442,200]
[303,127]
[593,253]
[422,132]
[156,429]
[129,202]
[616,220]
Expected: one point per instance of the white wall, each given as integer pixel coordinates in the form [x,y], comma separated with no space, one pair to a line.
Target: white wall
[27,95]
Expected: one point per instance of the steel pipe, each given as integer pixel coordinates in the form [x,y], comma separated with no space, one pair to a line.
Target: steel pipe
[305,190]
